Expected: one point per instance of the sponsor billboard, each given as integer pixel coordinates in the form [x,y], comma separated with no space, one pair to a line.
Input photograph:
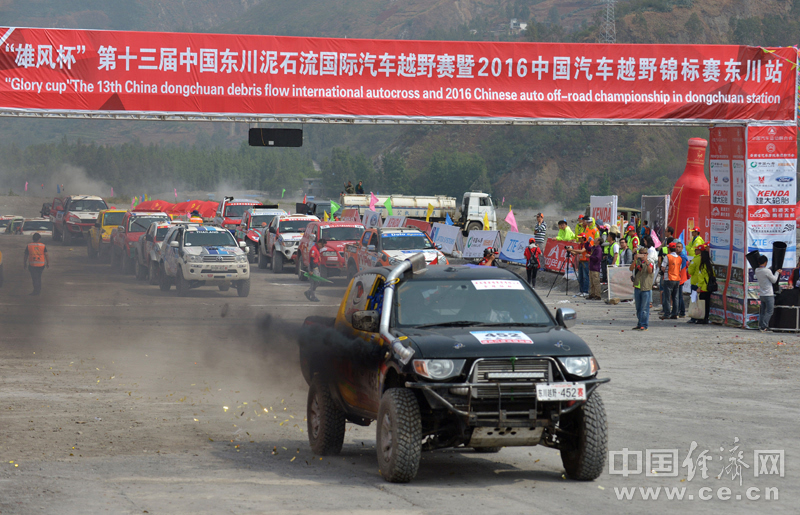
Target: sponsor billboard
[262,77]
[513,249]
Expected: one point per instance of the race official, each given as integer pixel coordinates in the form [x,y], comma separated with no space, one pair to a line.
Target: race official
[36,260]
[564,232]
[696,241]
[314,262]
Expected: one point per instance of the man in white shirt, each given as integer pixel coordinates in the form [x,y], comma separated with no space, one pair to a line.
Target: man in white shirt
[766,278]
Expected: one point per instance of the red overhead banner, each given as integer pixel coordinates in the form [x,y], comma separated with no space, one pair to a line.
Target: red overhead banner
[135,73]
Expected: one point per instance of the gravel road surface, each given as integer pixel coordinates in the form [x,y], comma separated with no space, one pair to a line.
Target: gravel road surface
[116,397]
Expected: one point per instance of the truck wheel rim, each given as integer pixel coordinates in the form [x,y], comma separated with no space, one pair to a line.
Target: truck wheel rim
[386,438]
[315,417]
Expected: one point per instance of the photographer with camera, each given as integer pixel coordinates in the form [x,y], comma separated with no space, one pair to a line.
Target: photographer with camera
[581,252]
[642,287]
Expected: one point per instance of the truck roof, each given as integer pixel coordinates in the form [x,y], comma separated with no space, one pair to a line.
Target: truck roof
[266,211]
[83,197]
[398,230]
[242,201]
[204,228]
[452,272]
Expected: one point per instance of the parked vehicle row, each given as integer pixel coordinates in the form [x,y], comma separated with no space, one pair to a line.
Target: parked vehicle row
[25,226]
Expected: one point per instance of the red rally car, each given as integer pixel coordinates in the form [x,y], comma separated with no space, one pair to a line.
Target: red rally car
[336,235]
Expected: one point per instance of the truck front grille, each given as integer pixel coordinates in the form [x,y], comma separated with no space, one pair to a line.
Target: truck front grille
[488,372]
[218,259]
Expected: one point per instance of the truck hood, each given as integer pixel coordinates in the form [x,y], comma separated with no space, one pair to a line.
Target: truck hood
[291,236]
[465,342]
[85,216]
[429,254]
[254,234]
[213,251]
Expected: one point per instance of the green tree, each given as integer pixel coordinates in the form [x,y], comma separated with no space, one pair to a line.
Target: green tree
[394,174]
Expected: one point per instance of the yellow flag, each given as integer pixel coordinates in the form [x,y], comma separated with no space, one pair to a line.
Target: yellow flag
[485,221]
[430,212]
[325,217]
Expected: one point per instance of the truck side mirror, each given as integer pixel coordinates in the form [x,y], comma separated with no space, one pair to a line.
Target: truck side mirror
[369,321]
[565,317]
[174,244]
[120,228]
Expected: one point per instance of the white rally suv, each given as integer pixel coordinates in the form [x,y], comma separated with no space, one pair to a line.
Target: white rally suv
[280,241]
[194,256]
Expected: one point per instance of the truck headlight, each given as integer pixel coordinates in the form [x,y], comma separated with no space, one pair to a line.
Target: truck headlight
[583,366]
[329,254]
[241,259]
[194,259]
[438,368]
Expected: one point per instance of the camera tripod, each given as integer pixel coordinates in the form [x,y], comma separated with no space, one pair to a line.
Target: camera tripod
[565,270]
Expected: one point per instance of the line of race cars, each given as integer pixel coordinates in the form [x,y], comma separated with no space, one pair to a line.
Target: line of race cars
[438,356]
[191,254]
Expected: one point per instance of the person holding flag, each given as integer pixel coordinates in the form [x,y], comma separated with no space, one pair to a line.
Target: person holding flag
[314,261]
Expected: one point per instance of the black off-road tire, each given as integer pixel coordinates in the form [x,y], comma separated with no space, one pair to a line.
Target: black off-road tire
[181,284]
[56,234]
[114,259]
[152,273]
[141,271]
[252,253]
[127,263]
[262,260]
[299,269]
[89,250]
[243,287]
[352,270]
[399,435]
[584,454]
[487,450]
[474,226]
[66,238]
[326,422]
[277,262]
[164,281]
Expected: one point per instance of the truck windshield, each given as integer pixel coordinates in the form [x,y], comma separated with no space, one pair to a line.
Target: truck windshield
[87,205]
[342,233]
[405,241]
[161,232]
[257,220]
[142,223]
[113,218]
[490,302]
[234,211]
[208,239]
[37,225]
[293,225]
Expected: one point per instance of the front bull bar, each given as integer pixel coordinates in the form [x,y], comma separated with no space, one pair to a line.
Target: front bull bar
[484,418]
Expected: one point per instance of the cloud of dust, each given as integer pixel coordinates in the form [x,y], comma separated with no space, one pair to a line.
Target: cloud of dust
[76,182]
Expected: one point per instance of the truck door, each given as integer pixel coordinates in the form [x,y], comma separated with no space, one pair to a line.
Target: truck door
[171,253]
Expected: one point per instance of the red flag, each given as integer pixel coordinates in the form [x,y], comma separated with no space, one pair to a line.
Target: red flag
[436,260]
[304,199]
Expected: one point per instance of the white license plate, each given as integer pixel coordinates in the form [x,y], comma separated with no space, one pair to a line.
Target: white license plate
[219,267]
[561,392]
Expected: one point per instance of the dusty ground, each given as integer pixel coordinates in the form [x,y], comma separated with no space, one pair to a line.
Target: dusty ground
[116,397]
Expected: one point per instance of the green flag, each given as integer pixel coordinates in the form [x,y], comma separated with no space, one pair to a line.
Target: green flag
[282,193]
[334,207]
[388,205]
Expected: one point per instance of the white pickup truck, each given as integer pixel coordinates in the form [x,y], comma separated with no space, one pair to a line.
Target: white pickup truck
[281,241]
[194,256]
[474,205]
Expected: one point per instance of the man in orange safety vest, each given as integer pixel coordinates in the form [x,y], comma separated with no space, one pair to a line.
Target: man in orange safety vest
[35,261]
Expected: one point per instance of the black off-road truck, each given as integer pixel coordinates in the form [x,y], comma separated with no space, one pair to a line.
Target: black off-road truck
[448,356]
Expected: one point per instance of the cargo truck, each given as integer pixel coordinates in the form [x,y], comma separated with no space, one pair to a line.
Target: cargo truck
[469,216]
